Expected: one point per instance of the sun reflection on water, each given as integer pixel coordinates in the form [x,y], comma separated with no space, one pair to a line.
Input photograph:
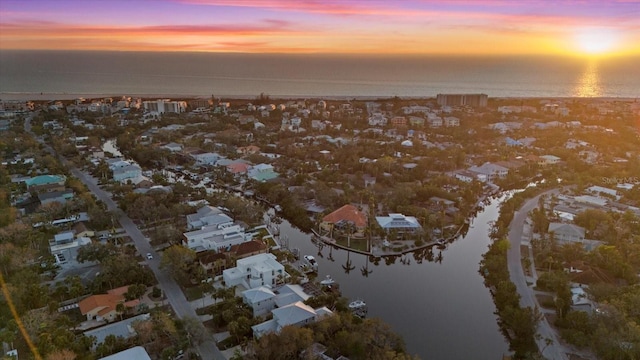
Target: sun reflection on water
[589,82]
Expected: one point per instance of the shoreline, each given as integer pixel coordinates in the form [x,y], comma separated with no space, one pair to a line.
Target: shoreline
[62,96]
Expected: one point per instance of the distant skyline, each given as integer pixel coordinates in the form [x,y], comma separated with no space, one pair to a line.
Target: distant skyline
[482,27]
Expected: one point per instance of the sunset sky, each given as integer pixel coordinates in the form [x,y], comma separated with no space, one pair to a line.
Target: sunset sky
[573,27]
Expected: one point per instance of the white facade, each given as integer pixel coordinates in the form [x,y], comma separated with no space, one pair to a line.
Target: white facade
[255,271]
[216,237]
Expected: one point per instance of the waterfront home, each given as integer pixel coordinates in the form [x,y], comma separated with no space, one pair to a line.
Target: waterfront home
[255,271]
[296,314]
[347,215]
[217,238]
[400,223]
[490,171]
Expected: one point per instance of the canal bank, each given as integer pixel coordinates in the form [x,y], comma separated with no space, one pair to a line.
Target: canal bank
[434,298]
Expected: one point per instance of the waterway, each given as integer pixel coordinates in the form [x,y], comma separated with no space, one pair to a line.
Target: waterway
[441,307]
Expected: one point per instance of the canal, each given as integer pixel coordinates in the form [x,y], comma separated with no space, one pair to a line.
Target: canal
[438,302]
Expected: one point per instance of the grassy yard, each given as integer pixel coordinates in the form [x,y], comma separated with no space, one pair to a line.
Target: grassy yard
[356,244]
[197,292]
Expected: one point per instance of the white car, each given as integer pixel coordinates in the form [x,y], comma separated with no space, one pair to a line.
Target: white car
[149,256]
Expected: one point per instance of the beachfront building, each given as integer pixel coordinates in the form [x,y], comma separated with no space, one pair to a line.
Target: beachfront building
[475,100]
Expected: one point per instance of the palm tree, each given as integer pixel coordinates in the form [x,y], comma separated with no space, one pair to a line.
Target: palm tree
[365,269]
[348,266]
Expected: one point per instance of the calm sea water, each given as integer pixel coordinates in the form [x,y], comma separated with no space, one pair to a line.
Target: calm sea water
[204,74]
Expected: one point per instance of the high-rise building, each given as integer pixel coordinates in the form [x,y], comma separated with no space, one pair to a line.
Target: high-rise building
[475,100]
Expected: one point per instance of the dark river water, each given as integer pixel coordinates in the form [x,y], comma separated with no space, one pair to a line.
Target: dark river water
[442,308]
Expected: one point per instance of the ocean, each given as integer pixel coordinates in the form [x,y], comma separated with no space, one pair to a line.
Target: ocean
[59,73]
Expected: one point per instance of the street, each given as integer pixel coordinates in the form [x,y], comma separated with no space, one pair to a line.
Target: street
[170,288]
[556,350]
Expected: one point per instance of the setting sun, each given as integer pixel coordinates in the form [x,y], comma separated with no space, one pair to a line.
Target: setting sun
[596,40]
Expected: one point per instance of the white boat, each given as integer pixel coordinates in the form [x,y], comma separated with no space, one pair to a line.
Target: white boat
[327,281]
[357,305]
[311,262]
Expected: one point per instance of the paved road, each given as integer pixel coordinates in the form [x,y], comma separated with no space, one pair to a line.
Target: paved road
[555,351]
[172,291]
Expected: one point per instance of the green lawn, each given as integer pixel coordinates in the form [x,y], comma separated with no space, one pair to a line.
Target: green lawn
[356,244]
[197,292]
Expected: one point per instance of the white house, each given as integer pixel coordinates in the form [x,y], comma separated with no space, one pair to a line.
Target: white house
[567,233]
[255,271]
[599,190]
[173,147]
[216,237]
[490,171]
[207,158]
[450,121]
[548,160]
[207,216]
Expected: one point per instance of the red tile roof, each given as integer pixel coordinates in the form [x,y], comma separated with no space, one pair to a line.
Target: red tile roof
[348,213]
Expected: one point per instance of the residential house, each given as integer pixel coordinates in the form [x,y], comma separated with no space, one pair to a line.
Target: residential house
[296,314]
[255,271]
[43,180]
[399,121]
[400,223]
[55,196]
[123,329]
[451,121]
[207,216]
[489,171]
[137,353]
[465,175]
[548,160]
[173,147]
[132,173]
[567,233]
[64,246]
[377,119]
[599,190]
[206,158]
[248,248]
[212,262]
[369,180]
[260,299]
[435,122]
[217,238]
[103,306]
[344,217]
[81,230]
[262,172]
[238,168]
[416,121]
[248,150]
